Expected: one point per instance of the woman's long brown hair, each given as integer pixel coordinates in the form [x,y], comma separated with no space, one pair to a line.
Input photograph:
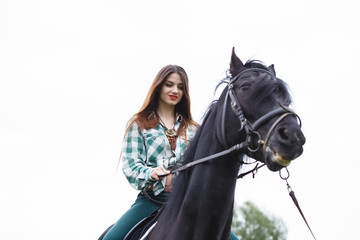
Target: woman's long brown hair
[146,118]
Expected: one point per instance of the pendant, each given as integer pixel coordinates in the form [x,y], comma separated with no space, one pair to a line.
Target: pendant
[171,133]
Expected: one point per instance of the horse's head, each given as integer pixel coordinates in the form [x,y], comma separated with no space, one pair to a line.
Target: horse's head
[257,102]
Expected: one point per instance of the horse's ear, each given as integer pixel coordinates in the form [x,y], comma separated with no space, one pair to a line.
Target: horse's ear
[236,64]
[272,69]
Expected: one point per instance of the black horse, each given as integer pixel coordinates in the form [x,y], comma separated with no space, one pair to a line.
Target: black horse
[251,117]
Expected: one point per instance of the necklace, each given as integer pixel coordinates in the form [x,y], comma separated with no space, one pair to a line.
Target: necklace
[170,133]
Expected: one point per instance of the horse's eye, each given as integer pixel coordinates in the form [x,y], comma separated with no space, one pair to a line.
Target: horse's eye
[244,87]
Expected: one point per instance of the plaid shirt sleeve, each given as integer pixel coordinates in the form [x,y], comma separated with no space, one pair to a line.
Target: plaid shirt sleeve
[134,159]
[143,150]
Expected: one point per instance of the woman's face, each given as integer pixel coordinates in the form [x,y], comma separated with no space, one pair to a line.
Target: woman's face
[172,90]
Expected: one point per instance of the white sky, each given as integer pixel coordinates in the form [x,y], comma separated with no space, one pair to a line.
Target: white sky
[73,71]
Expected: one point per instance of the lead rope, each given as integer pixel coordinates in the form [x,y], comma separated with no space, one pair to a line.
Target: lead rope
[292,195]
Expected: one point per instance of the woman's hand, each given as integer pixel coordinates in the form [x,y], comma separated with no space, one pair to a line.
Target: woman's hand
[158,171]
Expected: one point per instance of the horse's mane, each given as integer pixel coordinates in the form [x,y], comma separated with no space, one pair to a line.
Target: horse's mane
[190,151]
[183,178]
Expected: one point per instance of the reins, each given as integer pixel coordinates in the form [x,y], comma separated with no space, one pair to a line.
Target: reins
[236,147]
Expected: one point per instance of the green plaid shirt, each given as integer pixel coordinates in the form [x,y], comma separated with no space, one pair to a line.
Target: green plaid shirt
[143,150]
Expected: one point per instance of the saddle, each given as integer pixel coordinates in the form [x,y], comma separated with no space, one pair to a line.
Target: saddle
[141,229]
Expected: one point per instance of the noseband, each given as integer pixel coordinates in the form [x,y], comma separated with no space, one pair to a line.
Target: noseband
[251,128]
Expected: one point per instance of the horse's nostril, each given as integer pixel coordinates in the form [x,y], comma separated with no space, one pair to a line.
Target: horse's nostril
[291,135]
[283,133]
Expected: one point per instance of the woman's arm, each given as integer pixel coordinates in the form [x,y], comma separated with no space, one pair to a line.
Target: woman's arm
[134,158]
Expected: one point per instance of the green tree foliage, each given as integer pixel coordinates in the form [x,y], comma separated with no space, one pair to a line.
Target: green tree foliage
[249,223]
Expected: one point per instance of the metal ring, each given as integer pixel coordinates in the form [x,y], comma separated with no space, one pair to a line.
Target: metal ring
[259,142]
[288,174]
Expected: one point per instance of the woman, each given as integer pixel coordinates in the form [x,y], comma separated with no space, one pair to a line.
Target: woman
[155,140]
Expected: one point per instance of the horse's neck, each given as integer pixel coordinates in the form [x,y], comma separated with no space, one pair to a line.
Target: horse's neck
[206,208]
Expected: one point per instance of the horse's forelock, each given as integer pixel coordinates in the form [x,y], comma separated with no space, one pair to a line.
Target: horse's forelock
[270,85]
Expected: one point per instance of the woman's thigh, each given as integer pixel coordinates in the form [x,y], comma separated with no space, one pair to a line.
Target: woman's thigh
[141,209]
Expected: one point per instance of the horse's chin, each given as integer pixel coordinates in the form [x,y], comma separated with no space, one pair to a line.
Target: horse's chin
[275,161]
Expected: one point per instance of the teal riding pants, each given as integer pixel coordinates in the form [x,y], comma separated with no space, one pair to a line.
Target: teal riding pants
[142,208]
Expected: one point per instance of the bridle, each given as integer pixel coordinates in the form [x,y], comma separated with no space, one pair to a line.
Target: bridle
[245,124]
[251,128]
